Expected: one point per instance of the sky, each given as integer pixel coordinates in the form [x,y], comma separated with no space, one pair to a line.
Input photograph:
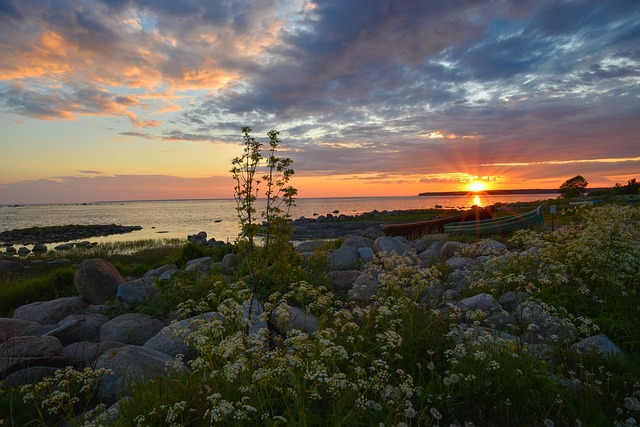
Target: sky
[146,99]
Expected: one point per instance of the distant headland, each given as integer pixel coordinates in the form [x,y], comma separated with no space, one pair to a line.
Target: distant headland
[501,192]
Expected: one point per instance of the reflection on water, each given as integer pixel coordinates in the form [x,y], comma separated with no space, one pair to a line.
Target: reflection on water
[179,218]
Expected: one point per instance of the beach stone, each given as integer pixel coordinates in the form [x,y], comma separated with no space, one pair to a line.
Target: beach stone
[392,244]
[490,247]
[600,345]
[10,328]
[23,251]
[39,248]
[173,339]
[310,246]
[295,318]
[201,264]
[419,245]
[131,364]
[50,312]
[342,281]
[231,262]
[26,376]
[58,262]
[344,258]
[428,257]
[64,247]
[364,288]
[97,281]
[358,242]
[28,351]
[460,280]
[451,248]
[166,275]
[483,302]
[366,255]
[130,328]
[8,266]
[84,353]
[136,291]
[510,300]
[78,327]
[157,272]
[373,232]
[459,263]
[11,250]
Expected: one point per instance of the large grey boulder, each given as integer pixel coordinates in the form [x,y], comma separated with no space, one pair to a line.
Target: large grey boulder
[136,291]
[366,255]
[50,312]
[25,376]
[201,264]
[130,328]
[459,263]
[540,326]
[358,242]
[483,302]
[10,328]
[389,245]
[342,281]
[131,364]
[599,345]
[84,353]
[364,288]
[511,300]
[294,318]
[78,327]
[97,281]
[490,247]
[174,338]
[451,249]
[157,272]
[344,258]
[23,352]
[310,246]
[231,262]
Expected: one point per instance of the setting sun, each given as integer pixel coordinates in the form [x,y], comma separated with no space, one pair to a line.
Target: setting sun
[477,186]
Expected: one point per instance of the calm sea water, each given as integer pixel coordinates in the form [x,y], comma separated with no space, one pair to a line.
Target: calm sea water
[179,218]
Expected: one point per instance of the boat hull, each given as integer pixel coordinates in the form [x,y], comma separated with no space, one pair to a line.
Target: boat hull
[435,225]
[502,225]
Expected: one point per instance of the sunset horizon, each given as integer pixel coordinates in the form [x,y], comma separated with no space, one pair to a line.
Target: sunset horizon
[135,101]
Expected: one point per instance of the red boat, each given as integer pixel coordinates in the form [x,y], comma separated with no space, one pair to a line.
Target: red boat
[435,225]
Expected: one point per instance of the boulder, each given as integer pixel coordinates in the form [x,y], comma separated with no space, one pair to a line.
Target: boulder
[344,258]
[97,281]
[23,251]
[295,318]
[231,262]
[8,266]
[483,302]
[392,244]
[364,288]
[23,352]
[358,242]
[130,328]
[201,264]
[173,339]
[39,248]
[10,328]
[58,262]
[136,291]
[451,249]
[542,327]
[459,263]
[490,247]
[310,246]
[26,376]
[366,255]
[342,281]
[511,300]
[166,275]
[78,327]
[64,247]
[599,345]
[84,353]
[157,272]
[419,245]
[11,250]
[131,364]
[50,312]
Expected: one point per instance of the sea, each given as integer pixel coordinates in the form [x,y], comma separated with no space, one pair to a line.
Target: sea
[162,219]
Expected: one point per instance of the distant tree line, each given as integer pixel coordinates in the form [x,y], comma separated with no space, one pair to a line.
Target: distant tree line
[574,187]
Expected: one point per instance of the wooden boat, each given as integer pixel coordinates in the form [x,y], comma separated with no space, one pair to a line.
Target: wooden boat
[501,225]
[435,225]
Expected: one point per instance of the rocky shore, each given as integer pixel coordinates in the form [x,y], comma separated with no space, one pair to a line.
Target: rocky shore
[63,233]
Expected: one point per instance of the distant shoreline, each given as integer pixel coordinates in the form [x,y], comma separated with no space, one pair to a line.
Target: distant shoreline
[490,192]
